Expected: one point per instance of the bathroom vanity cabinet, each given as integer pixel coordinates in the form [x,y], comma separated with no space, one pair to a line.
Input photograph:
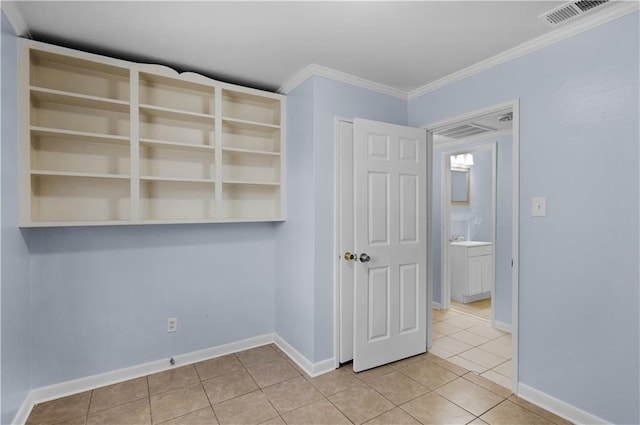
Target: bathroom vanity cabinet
[471,270]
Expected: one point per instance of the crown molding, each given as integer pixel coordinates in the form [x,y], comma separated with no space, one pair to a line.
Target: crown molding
[323,71]
[619,10]
[10,9]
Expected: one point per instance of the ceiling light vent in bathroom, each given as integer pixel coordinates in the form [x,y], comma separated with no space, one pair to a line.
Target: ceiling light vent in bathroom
[463,130]
[570,11]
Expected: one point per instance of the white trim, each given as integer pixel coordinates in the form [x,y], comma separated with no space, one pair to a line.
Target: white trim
[621,9]
[472,139]
[436,305]
[333,74]
[51,392]
[503,326]
[470,115]
[336,245]
[428,234]
[558,407]
[10,9]
[445,229]
[25,409]
[108,378]
[311,369]
[515,242]
[337,254]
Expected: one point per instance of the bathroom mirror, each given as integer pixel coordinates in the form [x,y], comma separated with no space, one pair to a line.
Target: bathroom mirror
[460,186]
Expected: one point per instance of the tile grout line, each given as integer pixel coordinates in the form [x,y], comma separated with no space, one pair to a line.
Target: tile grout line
[205,392]
[463,376]
[535,413]
[466,410]
[146,379]
[86,418]
[517,405]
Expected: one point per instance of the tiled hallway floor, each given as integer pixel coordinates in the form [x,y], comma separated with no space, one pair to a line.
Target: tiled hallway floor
[472,343]
[481,308]
[262,385]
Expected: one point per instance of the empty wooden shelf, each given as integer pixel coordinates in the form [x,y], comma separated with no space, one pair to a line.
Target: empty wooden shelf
[105,141]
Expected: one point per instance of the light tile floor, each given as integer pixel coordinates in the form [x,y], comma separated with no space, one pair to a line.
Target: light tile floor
[481,308]
[472,343]
[263,386]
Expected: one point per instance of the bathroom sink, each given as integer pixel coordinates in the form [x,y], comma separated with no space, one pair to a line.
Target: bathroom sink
[471,243]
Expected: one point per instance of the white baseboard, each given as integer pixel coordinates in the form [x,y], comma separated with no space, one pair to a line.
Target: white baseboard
[311,369]
[558,407]
[25,409]
[503,326]
[63,389]
[436,305]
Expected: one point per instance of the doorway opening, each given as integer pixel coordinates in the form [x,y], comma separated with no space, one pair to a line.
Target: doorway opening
[468,220]
[475,241]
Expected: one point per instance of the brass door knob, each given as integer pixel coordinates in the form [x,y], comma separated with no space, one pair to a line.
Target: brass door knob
[349,256]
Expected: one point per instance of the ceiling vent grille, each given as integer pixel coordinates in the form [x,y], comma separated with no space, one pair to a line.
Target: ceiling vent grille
[570,11]
[464,130]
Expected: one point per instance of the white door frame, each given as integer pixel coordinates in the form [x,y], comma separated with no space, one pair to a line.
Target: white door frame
[515,211]
[337,253]
[337,228]
[472,145]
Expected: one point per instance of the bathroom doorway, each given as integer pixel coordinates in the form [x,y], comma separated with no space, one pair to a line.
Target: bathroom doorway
[469,225]
[474,245]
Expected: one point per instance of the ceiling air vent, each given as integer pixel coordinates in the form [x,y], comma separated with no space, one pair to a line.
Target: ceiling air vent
[463,130]
[570,11]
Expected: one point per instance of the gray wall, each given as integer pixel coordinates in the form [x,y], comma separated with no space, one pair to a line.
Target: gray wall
[579,265]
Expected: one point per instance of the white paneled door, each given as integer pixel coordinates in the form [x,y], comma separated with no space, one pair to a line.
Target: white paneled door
[390,242]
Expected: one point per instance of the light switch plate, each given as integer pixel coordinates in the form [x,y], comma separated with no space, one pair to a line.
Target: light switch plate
[539,207]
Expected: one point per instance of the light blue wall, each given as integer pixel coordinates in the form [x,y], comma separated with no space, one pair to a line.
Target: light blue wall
[294,306]
[15,273]
[480,202]
[304,295]
[579,265]
[481,194]
[101,296]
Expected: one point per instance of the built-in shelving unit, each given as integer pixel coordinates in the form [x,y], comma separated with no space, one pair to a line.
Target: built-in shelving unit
[105,141]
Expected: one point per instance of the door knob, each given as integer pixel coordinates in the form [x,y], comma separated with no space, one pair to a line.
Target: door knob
[349,256]
[364,258]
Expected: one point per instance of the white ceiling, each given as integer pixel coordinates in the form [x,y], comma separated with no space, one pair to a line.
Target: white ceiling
[404,45]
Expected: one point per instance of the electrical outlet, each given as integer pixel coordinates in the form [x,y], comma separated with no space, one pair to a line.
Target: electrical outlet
[172,324]
[539,207]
